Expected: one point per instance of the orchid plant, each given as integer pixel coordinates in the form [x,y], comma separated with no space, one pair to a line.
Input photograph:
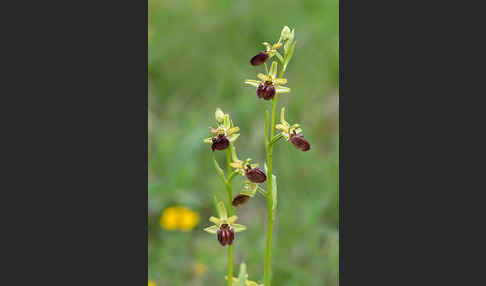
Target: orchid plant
[268,87]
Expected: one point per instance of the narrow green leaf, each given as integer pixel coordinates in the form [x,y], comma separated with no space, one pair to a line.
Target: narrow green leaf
[242,275]
[274,196]
[219,171]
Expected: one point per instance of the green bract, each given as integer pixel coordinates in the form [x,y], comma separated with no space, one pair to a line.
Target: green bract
[242,279]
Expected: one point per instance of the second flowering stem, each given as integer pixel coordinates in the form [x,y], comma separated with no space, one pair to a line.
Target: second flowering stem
[229,188]
[270,213]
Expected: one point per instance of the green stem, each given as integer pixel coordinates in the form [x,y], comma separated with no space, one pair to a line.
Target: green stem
[229,188]
[270,218]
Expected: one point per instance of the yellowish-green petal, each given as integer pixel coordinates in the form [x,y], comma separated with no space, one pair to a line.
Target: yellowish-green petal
[215,220]
[280,81]
[282,89]
[212,229]
[236,165]
[233,137]
[281,127]
[238,227]
[208,140]
[232,130]
[298,130]
[262,77]
[232,219]
[252,82]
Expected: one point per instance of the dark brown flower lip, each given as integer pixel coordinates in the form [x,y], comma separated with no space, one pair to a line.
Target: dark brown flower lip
[240,199]
[299,142]
[266,91]
[259,59]
[255,174]
[220,143]
[225,235]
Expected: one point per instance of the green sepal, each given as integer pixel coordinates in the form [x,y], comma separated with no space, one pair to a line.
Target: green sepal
[273,69]
[222,210]
[249,189]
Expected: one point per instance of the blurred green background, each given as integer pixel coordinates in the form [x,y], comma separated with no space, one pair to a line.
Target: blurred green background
[199,52]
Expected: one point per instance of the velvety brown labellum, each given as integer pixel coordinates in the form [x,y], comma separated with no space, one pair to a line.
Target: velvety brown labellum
[259,59]
[255,175]
[220,143]
[240,199]
[226,235]
[299,142]
[266,91]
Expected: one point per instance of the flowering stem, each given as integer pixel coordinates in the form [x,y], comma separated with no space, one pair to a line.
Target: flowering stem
[270,218]
[229,187]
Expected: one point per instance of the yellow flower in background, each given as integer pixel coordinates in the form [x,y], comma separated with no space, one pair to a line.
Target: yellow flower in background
[188,219]
[179,218]
[151,283]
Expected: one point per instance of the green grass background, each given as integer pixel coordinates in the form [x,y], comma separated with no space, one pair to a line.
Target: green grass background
[199,52]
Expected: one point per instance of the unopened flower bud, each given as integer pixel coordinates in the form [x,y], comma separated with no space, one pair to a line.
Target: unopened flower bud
[285,34]
[259,59]
[219,115]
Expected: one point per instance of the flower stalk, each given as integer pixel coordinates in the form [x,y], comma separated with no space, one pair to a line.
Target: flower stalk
[270,218]
[229,188]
